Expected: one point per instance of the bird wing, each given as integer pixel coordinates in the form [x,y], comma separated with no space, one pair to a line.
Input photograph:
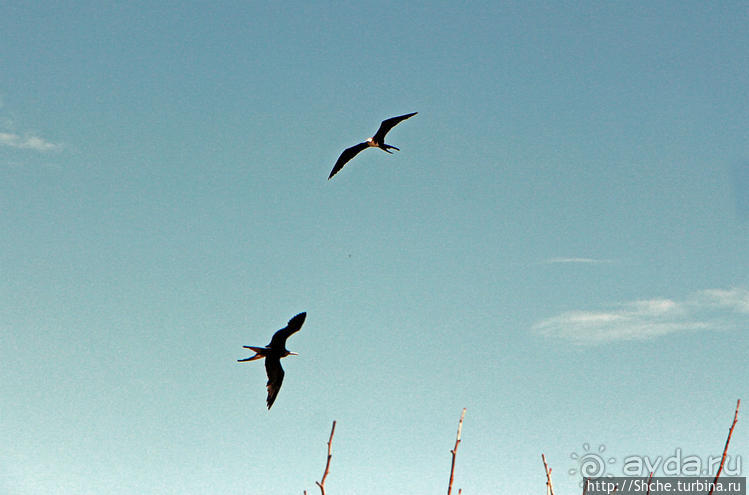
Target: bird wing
[388,124]
[347,155]
[279,338]
[275,377]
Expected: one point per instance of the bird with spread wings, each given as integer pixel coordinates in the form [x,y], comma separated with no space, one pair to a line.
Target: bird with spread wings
[273,353]
[376,141]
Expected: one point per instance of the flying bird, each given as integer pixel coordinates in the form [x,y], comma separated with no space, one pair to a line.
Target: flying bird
[376,141]
[273,353]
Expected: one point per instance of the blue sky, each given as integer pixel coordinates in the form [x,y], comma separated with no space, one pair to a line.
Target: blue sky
[560,246]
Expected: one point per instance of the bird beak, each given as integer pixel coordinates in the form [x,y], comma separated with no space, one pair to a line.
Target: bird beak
[293,354]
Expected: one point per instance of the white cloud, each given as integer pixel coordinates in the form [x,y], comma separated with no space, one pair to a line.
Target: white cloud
[735,299]
[576,260]
[714,309]
[29,142]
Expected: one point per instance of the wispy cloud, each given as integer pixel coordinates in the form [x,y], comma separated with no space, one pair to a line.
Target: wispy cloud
[29,142]
[714,309]
[736,299]
[577,260]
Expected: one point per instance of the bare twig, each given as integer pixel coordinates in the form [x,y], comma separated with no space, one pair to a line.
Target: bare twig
[321,483]
[725,449]
[454,451]
[547,469]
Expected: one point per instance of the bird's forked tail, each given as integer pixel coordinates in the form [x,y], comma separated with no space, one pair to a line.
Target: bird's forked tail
[259,353]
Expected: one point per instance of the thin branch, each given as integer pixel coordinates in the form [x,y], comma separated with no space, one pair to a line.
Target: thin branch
[725,449]
[454,451]
[649,480]
[547,469]
[321,483]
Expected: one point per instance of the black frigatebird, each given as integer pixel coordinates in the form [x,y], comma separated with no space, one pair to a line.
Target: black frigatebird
[376,141]
[273,353]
